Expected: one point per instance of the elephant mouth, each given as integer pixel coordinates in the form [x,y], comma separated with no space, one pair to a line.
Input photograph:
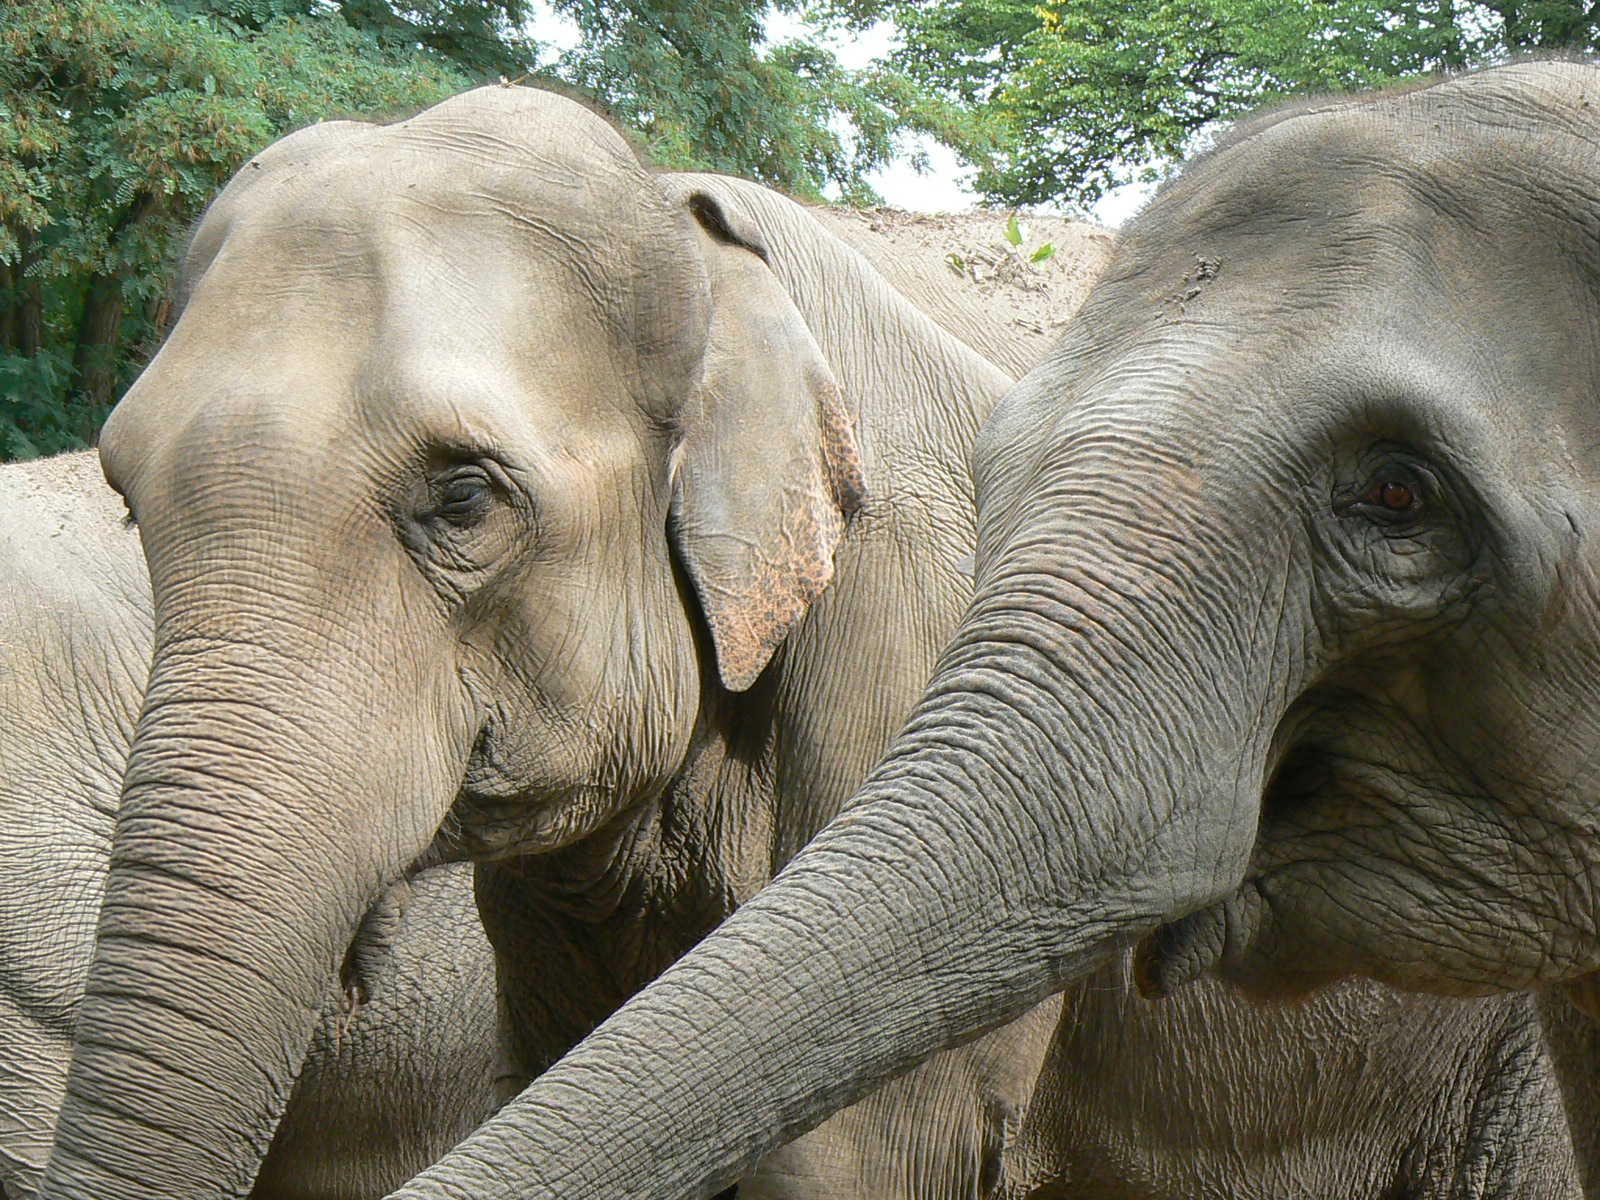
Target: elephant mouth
[485,829]
[1351,848]
[1180,952]
[1301,817]
[495,827]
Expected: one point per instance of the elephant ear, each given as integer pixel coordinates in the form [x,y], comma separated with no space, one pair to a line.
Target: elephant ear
[768,469]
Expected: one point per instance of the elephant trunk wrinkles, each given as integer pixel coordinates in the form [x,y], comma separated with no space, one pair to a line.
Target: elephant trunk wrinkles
[1037,813]
[232,896]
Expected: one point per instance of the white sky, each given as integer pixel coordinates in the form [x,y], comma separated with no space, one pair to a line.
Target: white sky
[943,188]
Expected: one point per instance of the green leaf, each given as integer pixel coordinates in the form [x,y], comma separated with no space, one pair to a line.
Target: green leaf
[121,118]
[1042,253]
[16,444]
[1013,230]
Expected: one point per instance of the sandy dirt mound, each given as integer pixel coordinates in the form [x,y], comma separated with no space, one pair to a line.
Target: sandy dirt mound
[959,268]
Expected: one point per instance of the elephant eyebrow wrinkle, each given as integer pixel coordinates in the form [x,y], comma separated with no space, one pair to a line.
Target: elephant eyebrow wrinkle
[448,451]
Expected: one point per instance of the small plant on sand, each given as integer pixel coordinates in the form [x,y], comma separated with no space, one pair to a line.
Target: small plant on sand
[1017,234]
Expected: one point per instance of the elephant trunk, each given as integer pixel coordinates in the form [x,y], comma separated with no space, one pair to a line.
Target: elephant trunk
[1086,764]
[239,874]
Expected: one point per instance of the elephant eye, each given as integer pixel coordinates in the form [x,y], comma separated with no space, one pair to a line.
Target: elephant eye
[464,498]
[1394,495]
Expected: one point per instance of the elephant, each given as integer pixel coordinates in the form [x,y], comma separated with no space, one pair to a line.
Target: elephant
[1360,1091]
[75,639]
[403,1060]
[1280,664]
[548,588]
[1572,1037]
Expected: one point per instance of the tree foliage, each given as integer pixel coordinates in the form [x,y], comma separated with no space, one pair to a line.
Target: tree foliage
[120,118]
[1080,89]
[696,79]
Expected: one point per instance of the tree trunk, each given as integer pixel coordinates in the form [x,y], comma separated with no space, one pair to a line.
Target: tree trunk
[10,302]
[21,307]
[97,346]
[99,337]
[30,316]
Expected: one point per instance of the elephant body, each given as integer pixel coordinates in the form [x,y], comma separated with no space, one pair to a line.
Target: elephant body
[1015,313]
[403,1063]
[74,648]
[1358,1091]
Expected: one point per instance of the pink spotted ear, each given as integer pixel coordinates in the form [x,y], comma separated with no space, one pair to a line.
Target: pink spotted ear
[768,468]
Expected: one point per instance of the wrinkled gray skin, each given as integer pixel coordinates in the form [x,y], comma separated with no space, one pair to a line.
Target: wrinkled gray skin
[331,624]
[387,1088]
[1282,660]
[1354,1091]
[1572,1037]
[1360,1091]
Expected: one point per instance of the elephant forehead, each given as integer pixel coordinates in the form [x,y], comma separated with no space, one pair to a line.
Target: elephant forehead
[491,184]
[1449,229]
[518,143]
[1498,153]
[382,262]
[527,126]
[377,205]
[398,343]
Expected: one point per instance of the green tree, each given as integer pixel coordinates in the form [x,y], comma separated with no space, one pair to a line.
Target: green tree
[1079,89]
[698,81]
[484,38]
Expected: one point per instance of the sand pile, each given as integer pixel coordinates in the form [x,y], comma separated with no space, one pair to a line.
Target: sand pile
[956,265]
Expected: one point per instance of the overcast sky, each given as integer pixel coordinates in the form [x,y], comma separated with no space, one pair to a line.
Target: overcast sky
[942,189]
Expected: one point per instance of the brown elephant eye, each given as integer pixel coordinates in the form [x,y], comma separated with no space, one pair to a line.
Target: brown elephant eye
[1396,497]
[1393,495]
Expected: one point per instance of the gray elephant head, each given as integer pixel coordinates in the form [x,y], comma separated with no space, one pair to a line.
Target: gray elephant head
[474,459]
[1284,657]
